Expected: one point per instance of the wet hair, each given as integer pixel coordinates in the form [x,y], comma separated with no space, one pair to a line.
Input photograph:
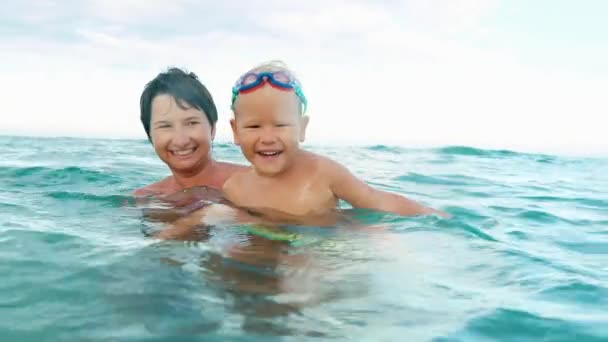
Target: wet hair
[184,87]
[272,65]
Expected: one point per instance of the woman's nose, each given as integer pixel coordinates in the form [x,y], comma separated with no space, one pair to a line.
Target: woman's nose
[181,136]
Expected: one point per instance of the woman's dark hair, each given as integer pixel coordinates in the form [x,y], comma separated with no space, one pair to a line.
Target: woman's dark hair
[184,87]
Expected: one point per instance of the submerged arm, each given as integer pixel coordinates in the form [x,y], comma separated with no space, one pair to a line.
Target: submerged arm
[183,227]
[216,214]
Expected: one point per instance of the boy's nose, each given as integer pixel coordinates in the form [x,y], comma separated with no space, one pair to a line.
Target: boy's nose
[267,136]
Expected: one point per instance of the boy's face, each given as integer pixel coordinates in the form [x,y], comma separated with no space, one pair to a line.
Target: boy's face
[268,126]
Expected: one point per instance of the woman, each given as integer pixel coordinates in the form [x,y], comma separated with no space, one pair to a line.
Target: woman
[179,116]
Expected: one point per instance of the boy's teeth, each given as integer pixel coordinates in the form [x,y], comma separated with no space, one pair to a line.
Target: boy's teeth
[269,153]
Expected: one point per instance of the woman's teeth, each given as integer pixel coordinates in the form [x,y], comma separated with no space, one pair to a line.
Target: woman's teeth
[183,152]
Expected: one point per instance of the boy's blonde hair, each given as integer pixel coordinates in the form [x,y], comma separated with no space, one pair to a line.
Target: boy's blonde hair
[274,65]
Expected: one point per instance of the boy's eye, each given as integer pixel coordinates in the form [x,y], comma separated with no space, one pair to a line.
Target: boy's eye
[163,126]
[282,125]
[252,126]
[192,123]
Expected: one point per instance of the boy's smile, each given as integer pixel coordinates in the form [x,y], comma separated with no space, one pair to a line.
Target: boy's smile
[270,153]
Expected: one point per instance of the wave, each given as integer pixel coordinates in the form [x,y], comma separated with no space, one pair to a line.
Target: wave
[541,216]
[443,179]
[468,230]
[520,325]
[597,248]
[589,202]
[385,148]
[44,176]
[577,292]
[474,151]
[490,153]
[113,200]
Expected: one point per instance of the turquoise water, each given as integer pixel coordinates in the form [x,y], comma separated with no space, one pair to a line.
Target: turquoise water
[525,256]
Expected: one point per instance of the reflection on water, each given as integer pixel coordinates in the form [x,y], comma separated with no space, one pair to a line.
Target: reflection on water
[523,257]
[270,274]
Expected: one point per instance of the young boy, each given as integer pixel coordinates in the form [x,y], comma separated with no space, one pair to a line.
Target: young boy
[269,123]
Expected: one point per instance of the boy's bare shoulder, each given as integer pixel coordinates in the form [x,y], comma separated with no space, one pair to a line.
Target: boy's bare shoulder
[325,165]
[237,186]
[224,171]
[237,179]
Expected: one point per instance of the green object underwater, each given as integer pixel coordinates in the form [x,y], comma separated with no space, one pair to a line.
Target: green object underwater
[294,239]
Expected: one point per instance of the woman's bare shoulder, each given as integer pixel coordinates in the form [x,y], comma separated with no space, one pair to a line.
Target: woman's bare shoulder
[161,187]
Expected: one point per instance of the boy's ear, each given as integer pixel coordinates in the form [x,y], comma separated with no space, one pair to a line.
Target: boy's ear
[212,132]
[235,137]
[303,125]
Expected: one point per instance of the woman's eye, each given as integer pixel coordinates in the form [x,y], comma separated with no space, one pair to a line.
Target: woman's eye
[252,126]
[282,125]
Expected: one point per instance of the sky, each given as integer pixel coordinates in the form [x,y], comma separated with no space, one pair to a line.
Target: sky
[523,75]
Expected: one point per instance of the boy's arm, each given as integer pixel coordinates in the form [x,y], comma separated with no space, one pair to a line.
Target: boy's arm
[360,195]
[231,188]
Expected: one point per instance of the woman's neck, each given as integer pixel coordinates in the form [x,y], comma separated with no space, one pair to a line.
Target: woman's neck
[202,176]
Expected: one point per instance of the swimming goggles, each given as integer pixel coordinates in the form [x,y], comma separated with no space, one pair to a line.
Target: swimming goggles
[278,79]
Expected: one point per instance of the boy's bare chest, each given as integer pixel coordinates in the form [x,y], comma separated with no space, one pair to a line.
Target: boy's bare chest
[296,198]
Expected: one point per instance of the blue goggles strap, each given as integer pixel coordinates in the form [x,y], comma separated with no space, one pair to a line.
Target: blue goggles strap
[269,76]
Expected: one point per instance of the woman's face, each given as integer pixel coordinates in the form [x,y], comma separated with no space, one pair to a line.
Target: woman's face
[181,137]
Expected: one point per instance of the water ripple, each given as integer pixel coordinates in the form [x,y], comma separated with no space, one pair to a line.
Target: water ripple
[523,326]
[523,257]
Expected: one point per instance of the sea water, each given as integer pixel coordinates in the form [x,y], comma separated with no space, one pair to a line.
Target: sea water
[523,258]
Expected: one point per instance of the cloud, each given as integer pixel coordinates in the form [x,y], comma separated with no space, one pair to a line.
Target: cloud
[339,19]
[446,16]
[382,72]
[130,11]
